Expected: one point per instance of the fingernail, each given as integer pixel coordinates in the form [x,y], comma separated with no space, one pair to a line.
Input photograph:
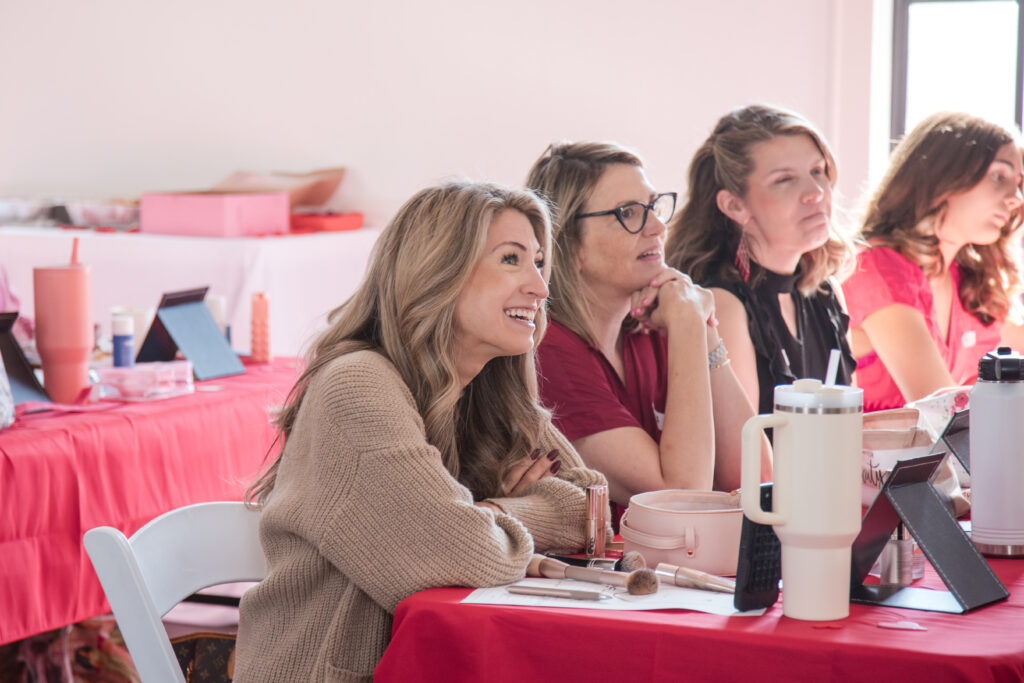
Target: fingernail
[654,282]
[713,321]
[636,312]
[645,302]
[553,454]
[646,326]
[535,454]
[556,467]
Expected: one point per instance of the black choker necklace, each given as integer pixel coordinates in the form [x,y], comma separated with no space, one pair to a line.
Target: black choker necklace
[776,283]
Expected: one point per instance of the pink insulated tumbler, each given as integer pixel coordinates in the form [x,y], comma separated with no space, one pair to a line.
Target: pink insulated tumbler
[64,327]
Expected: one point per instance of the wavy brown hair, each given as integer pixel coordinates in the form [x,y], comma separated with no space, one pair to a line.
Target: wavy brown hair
[405,311]
[702,240]
[565,175]
[945,154]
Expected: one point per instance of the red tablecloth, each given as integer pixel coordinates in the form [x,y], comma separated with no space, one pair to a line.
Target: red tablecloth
[437,638]
[63,474]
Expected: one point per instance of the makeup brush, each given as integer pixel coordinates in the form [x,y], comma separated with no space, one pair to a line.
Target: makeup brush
[630,561]
[693,578]
[637,582]
[551,592]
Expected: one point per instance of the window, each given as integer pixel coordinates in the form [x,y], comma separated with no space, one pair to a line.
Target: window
[961,55]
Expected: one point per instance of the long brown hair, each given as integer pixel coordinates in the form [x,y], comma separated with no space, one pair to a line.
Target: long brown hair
[945,154]
[405,311]
[702,240]
[565,175]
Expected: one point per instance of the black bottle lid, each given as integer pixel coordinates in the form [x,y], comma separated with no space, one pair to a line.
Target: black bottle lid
[1001,365]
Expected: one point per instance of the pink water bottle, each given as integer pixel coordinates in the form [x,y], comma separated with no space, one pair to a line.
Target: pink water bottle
[64,327]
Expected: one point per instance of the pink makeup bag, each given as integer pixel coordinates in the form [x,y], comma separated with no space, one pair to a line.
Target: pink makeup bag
[696,529]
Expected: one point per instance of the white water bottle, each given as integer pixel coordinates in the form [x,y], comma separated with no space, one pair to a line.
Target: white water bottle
[997,454]
[816,494]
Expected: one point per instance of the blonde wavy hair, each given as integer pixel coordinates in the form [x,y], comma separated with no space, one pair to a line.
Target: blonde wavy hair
[703,241]
[405,310]
[565,175]
[945,154]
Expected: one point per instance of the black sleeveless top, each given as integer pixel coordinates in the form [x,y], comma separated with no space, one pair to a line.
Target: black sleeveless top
[782,358]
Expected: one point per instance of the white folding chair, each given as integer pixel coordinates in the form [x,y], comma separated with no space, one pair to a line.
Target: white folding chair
[167,560]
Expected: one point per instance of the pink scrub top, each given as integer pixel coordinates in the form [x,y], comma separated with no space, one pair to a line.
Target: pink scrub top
[884,277]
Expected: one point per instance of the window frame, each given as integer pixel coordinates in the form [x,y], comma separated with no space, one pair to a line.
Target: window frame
[900,41]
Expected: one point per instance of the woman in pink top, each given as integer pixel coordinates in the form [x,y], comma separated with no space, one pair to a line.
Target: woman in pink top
[934,290]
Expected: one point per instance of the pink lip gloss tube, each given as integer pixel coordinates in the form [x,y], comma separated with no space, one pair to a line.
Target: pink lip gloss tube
[597,518]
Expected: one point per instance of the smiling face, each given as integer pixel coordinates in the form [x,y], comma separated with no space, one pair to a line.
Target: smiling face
[610,259]
[978,215]
[787,209]
[494,313]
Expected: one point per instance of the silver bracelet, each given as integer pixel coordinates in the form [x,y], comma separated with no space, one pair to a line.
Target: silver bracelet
[719,356]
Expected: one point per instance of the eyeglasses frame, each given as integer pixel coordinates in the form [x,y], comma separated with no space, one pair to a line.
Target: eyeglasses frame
[648,208]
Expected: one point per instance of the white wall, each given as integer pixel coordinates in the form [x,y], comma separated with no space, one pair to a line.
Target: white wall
[109,98]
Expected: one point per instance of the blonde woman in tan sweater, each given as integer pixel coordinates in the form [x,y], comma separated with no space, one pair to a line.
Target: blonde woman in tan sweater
[415,452]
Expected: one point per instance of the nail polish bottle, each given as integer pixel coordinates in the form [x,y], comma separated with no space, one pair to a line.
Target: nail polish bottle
[123,337]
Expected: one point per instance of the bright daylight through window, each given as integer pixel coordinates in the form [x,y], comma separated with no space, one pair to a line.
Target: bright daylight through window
[961,55]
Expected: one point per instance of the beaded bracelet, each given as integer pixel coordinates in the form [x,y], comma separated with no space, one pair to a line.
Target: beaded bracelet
[719,356]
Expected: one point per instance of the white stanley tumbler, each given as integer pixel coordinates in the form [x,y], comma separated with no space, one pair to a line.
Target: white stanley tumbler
[816,504]
[997,454]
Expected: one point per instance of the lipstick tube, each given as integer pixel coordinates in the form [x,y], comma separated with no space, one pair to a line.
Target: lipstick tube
[597,520]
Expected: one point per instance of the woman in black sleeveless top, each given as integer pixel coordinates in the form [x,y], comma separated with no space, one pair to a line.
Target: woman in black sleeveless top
[757,230]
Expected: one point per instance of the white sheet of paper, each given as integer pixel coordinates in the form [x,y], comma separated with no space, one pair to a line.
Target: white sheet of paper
[667,597]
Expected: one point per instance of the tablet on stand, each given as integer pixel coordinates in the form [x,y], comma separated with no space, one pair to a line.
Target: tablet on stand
[184,322]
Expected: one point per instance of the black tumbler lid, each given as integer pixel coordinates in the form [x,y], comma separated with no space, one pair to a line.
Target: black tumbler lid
[1001,365]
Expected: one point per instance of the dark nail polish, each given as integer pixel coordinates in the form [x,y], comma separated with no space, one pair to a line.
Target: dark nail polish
[557,466]
[535,454]
[553,454]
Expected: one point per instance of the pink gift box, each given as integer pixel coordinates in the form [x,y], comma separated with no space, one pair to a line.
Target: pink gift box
[213,214]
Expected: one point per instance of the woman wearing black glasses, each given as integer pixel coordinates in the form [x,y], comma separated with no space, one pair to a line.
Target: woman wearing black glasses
[757,229]
[632,366]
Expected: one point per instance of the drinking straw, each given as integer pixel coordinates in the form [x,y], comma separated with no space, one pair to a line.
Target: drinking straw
[833,367]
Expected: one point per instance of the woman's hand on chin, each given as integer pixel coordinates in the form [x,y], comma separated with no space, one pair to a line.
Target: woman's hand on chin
[530,470]
[672,298]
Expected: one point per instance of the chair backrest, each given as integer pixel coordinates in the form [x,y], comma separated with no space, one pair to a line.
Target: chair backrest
[170,558]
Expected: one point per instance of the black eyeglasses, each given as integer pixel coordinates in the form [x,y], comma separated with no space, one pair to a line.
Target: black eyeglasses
[633,216]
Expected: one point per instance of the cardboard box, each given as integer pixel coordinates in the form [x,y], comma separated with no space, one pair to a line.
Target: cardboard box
[335,222]
[215,214]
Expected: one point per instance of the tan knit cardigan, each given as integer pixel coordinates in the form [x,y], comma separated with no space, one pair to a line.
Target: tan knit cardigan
[364,513]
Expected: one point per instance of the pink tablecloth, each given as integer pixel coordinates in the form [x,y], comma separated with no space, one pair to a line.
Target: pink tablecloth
[437,638]
[62,474]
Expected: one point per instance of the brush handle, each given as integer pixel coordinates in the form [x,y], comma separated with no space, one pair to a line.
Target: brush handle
[548,567]
[609,578]
[694,578]
[593,562]
[573,593]
[727,585]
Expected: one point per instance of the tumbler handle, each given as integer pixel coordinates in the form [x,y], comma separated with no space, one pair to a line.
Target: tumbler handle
[750,470]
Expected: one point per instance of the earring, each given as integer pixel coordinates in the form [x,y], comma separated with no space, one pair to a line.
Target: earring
[742,259]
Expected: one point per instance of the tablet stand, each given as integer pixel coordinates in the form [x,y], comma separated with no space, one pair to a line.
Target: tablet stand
[908,497]
[956,438]
[25,385]
[184,322]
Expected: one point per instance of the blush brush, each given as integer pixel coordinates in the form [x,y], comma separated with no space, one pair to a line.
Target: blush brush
[637,582]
